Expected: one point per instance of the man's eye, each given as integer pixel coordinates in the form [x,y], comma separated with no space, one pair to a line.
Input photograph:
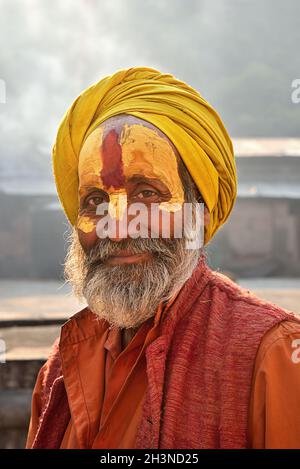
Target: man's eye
[94,201]
[146,194]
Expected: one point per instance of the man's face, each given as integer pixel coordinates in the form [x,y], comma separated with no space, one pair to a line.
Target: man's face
[122,162]
[126,161]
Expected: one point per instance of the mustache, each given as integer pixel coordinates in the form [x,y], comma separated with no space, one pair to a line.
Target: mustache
[105,248]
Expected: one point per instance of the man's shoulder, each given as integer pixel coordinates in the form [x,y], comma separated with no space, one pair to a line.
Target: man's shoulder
[49,372]
[242,301]
[281,341]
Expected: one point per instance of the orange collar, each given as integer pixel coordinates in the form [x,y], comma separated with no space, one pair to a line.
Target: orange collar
[86,324]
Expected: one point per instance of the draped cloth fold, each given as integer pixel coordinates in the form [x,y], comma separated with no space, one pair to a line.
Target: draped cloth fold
[176,109]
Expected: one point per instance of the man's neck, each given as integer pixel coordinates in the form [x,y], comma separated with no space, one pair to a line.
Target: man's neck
[127,335]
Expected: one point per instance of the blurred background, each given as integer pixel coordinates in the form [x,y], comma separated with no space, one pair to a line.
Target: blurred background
[242,56]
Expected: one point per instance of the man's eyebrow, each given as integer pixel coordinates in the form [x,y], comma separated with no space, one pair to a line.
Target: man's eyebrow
[84,189]
[139,178]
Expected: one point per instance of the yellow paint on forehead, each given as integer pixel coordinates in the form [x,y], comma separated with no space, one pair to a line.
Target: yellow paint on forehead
[90,163]
[89,167]
[147,153]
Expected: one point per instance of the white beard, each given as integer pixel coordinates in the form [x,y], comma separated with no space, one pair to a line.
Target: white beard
[127,295]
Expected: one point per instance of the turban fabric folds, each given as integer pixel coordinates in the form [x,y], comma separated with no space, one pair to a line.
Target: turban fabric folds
[174,107]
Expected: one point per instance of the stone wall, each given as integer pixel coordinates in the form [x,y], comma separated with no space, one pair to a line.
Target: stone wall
[260,239]
[17,379]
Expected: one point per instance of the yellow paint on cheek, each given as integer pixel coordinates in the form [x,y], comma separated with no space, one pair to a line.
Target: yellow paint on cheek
[170,207]
[85,224]
[147,153]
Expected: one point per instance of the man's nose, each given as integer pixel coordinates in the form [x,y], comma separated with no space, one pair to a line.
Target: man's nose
[117,205]
[116,209]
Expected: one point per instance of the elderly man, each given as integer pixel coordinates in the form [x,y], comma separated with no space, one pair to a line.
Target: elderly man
[168,353]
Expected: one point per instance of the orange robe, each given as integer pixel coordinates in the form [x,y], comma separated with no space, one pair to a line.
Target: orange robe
[119,399]
[116,381]
[275,402]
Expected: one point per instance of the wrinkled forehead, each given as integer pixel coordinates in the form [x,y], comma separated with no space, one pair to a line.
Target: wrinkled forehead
[129,144]
[117,124]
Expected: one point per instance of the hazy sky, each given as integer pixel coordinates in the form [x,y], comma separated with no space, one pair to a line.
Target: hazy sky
[241,56]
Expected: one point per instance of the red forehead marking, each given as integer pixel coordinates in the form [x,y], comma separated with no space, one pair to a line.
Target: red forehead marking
[112,173]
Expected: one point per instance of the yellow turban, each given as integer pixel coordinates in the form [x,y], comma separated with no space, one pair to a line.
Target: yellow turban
[176,109]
